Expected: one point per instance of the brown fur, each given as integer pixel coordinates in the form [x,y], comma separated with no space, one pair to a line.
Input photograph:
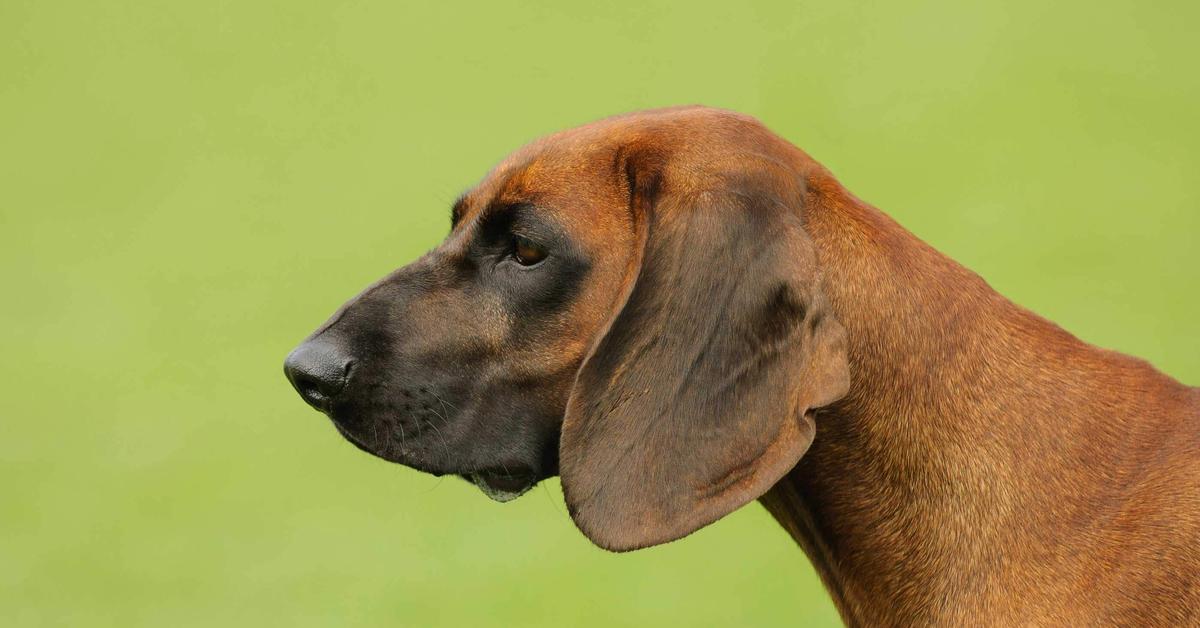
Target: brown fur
[748,329]
[986,467]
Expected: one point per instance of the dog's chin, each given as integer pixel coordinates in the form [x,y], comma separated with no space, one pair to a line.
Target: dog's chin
[502,486]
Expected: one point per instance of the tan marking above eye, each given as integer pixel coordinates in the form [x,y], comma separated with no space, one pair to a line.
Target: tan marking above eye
[526,252]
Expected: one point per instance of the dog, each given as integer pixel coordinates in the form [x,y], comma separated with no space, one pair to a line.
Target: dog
[679,312]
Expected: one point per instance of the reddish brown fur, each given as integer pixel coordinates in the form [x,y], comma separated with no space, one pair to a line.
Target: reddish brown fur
[986,467]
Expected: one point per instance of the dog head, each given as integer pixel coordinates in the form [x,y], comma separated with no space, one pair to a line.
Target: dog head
[633,304]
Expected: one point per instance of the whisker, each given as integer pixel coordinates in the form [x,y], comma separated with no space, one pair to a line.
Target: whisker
[435,484]
[382,446]
[445,445]
[400,424]
[443,401]
[550,498]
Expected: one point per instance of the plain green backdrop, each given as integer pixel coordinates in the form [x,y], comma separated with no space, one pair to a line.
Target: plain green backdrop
[187,189]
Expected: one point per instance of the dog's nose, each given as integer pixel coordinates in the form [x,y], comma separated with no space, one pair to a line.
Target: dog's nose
[319,372]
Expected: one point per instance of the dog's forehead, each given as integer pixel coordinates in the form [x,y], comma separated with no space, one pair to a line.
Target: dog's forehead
[578,174]
[571,161]
[567,175]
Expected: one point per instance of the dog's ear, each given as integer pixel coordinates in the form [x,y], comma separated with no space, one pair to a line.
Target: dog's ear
[698,396]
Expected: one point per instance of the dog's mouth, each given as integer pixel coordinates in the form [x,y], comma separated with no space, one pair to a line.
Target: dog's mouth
[501,485]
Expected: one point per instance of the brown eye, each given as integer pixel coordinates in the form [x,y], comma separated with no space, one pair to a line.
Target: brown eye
[526,252]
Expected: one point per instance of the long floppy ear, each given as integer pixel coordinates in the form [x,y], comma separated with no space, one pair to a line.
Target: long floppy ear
[698,397]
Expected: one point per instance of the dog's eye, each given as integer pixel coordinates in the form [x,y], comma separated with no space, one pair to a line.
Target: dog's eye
[526,252]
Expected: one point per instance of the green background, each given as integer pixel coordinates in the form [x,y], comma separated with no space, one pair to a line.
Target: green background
[188,188]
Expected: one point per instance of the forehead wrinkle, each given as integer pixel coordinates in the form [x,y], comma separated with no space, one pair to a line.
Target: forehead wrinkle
[563,173]
[509,179]
[520,185]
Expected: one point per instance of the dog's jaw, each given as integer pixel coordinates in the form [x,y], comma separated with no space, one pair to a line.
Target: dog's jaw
[501,487]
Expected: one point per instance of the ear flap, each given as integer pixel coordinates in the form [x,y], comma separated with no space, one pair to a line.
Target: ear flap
[698,397]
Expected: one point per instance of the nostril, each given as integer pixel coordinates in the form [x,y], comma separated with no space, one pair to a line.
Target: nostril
[318,372]
[308,388]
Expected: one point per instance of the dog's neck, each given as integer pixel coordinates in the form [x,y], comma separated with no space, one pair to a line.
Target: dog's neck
[963,460]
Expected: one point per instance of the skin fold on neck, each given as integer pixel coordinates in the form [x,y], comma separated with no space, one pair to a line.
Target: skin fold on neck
[983,459]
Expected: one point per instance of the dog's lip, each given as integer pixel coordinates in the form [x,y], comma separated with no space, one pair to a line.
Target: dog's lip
[502,485]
